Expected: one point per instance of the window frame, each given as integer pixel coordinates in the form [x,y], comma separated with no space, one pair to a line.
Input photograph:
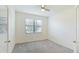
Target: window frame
[34,25]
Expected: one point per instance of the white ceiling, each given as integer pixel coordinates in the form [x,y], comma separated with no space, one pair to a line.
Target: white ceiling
[59,8]
[35,9]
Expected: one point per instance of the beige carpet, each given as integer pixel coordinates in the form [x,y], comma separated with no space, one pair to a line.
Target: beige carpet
[43,46]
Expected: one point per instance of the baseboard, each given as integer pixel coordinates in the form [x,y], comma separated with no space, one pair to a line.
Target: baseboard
[32,41]
[61,44]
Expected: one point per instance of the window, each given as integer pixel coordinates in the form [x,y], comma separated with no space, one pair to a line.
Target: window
[32,26]
[3,24]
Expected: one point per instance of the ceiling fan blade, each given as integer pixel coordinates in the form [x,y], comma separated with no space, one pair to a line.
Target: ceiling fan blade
[47,9]
[42,7]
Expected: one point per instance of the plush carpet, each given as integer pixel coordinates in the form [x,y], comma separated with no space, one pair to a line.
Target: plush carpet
[43,46]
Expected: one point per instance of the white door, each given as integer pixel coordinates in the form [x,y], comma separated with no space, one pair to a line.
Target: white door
[77,47]
[3,29]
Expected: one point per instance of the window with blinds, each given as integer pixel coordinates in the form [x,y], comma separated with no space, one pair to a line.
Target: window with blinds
[32,26]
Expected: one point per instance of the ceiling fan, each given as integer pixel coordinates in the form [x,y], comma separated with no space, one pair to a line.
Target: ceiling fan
[44,8]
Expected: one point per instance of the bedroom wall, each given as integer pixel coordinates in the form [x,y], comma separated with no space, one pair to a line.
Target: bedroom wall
[21,36]
[62,27]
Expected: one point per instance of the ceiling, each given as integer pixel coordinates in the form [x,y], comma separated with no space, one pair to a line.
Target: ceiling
[59,8]
[36,9]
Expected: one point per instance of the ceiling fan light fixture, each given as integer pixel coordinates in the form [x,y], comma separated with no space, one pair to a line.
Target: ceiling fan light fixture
[42,9]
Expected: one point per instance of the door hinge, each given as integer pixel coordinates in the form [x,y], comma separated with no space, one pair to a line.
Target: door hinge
[74,41]
[7,41]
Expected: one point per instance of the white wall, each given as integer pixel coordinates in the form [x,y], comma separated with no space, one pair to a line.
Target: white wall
[62,27]
[11,28]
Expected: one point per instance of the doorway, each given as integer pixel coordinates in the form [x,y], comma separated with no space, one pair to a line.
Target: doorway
[3,29]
